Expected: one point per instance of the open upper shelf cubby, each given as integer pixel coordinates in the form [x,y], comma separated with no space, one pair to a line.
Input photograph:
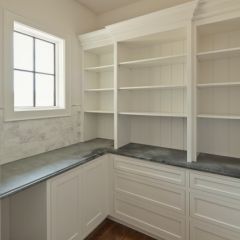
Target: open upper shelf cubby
[98,93]
[218,84]
[99,59]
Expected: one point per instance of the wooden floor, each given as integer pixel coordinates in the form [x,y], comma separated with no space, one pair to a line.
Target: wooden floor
[110,230]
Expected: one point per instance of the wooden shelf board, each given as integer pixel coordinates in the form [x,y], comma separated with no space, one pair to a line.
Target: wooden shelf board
[154,61]
[215,116]
[104,68]
[225,84]
[153,87]
[99,111]
[154,114]
[98,90]
[216,54]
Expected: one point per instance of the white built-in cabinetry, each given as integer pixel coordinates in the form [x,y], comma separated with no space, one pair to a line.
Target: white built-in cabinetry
[165,202]
[173,203]
[66,207]
[78,201]
[169,79]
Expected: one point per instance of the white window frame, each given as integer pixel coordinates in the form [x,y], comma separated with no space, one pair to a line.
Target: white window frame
[63,106]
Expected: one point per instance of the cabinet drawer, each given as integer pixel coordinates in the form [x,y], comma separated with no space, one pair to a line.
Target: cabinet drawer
[151,170]
[220,185]
[205,231]
[215,209]
[150,192]
[158,223]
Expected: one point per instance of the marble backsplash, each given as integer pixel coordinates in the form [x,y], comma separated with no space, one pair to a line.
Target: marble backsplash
[22,139]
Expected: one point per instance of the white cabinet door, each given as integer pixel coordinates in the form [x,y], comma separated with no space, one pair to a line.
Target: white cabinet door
[95,193]
[64,206]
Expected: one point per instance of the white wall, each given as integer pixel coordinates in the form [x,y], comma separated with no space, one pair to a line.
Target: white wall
[25,138]
[134,10]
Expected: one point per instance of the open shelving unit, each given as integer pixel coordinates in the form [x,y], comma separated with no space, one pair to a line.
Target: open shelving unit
[152,90]
[98,97]
[169,79]
[218,88]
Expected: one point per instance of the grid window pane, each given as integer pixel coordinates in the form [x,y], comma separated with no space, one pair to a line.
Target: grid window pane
[44,90]
[23,89]
[23,52]
[44,57]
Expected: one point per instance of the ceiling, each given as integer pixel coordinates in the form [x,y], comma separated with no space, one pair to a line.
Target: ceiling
[101,6]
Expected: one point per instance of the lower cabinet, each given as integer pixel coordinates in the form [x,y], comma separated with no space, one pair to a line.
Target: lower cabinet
[151,197]
[64,206]
[77,201]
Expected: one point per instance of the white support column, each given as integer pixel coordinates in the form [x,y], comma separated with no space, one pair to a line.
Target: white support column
[115,94]
[191,92]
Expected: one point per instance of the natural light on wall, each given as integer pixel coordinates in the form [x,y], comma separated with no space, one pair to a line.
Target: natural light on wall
[38,69]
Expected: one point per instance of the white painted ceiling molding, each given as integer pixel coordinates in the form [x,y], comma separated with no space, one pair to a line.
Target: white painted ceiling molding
[96,39]
[162,20]
[199,11]
[216,9]
[174,17]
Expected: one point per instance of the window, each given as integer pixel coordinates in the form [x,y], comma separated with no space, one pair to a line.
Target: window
[36,85]
[35,60]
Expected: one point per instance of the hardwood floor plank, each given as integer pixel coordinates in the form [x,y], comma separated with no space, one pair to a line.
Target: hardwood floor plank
[110,230]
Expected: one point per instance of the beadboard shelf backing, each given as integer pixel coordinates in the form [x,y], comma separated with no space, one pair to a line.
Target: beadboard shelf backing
[98,125]
[169,132]
[218,88]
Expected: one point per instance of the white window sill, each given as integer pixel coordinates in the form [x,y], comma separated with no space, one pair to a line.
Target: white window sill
[40,113]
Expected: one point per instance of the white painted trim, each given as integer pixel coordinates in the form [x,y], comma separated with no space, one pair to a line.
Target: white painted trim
[9,113]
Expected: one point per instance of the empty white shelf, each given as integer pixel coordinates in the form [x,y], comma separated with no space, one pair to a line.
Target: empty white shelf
[218,116]
[223,53]
[154,61]
[99,111]
[98,89]
[225,84]
[104,68]
[153,87]
[154,114]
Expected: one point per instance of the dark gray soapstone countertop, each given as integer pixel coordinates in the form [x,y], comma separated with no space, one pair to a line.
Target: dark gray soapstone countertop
[18,175]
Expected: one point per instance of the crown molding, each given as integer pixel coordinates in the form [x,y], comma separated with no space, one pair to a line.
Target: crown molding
[95,39]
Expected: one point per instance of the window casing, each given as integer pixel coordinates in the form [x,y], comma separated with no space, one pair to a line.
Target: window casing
[35,86]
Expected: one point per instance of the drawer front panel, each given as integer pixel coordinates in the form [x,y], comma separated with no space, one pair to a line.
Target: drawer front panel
[220,185]
[215,209]
[151,192]
[151,170]
[159,224]
[204,231]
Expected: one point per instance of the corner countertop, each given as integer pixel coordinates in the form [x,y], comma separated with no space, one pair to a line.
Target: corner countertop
[225,166]
[18,175]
